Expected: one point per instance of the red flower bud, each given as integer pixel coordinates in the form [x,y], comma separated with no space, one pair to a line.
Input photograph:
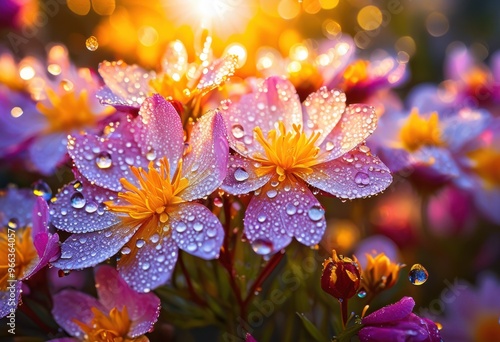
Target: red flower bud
[341,276]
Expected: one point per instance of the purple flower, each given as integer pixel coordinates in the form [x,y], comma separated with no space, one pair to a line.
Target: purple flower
[118,314]
[25,242]
[472,314]
[136,191]
[61,101]
[281,146]
[396,322]
[179,81]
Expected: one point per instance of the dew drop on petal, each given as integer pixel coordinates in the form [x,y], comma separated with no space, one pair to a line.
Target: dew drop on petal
[181,227]
[263,247]
[151,155]
[103,160]
[145,266]
[78,200]
[140,243]
[191,247]
[362,179]
[261,217]
[240,174]
[316,213]
[418,274]
[154,238]
[91,207]
[41,189]
[238,131]
[126,250]
[198,226]
[362,294]
[291,209]
[271,193]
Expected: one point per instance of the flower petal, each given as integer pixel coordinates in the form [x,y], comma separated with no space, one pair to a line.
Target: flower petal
[466,125]
[40,225]
[70,305]
[242,177]
[48,151]
[82,218]
[206,165]
[196,230]
[114,292]
[89,249]
[151,265]
[129,83]
[357,123]
[105,161]
[392,312]
[275,100]
[357,174]
[158,131]
[322,110]
[217,73]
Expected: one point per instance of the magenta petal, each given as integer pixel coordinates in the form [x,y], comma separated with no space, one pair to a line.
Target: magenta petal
[70,305]
[158,130]
[241,176]
[322,110]
[275,100]
[51,252]
[357,123]
[263,223]
[6,302]
[152,265]
[217,72]
[40,225]
[206,165]
[130,83]
[91,216]
[114,292]
[357,174]
[303,214]
[89,249]
[392,312]
[105,161]
[48,151]
[197,231]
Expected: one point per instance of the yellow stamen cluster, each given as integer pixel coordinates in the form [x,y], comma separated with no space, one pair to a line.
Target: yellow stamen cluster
[69,111]
[171,87]
[418,132]
[379,274]
[155,194]
[112,327]
[287,154]
[23,257]
[486,163]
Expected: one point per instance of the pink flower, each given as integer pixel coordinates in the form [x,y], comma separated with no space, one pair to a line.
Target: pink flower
[281,147]
[25,242]
[136,191]
[396,322]
[118,314]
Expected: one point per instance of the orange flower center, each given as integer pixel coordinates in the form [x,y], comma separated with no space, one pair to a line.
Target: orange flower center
[486,163]
[418,131]
[70,110]
[18,254]
[355,73]
[286,154]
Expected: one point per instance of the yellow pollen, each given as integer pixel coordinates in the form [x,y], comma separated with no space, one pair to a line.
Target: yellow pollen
[112,327]
[355,73]
[418,131]
[486,163]
[287,154]
[69,111]
[154,195]
[171,87]
[24,254]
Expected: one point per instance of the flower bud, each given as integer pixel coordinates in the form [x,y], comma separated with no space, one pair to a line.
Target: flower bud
[341,276]
[380,273]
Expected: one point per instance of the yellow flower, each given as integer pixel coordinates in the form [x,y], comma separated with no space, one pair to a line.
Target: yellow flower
[419,131]
[380,273]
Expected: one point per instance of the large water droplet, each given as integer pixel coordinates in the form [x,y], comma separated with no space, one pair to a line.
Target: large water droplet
[41,189]
[418,274]
[362,179]
[238,131]
[240,174]
[329,146]
[211,232]
[103,160]
[181,227]
[91,207]
[262,247]
[140,243]
[151,155]
[91,43]
[261,217]
[316,213]
[78,201]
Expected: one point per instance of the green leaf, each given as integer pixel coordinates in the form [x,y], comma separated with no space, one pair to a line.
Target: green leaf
[311,329]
